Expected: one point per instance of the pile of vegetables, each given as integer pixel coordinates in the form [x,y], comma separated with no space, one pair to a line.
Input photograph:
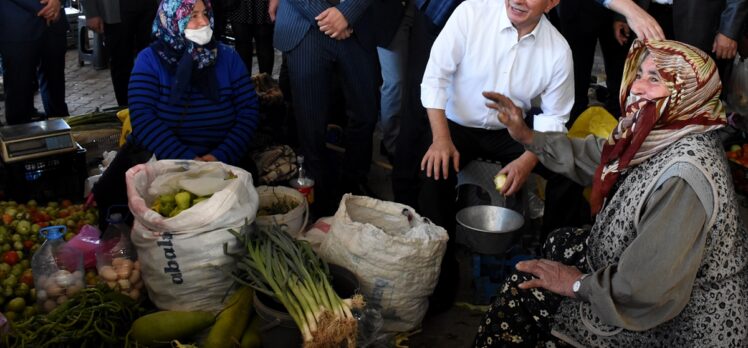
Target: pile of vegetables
[290,272]
[280,205]
[93,317]
[19,239]
[172,205]
[123,275]
[739,154]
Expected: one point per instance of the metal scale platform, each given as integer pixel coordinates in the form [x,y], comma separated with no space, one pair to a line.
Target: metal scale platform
[42,161]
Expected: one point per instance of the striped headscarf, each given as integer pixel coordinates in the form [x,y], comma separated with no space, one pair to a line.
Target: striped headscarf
[189,61]
[650,126]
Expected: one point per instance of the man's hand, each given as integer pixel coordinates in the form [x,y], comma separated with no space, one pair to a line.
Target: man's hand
[622,31]
[95,23]
[50,11]
[511,116]
[550,275]
[346,33]
[724,47]
[272,9]
[436,160]
[517,172]
[332,22]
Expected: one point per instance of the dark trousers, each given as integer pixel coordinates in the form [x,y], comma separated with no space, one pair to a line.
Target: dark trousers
[415,132]
[582,27]
[262,34]
[123,42]
[311,67]
[51,75]
[20,62]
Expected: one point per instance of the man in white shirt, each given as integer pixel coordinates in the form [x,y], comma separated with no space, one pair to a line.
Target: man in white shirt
[509,47]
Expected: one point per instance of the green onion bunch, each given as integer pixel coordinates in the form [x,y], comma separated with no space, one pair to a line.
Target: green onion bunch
[289,271]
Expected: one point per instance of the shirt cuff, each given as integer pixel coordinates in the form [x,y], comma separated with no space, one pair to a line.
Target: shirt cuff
[548,124]
[434,98]
[606,3]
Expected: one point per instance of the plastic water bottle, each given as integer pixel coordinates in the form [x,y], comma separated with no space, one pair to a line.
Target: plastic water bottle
[303,184]
[58,270]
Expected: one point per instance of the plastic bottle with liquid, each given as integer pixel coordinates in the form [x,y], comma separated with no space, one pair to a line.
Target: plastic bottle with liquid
[58,270]
[302,183]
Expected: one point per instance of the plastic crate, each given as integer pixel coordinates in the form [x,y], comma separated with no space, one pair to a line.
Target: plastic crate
[96,141]
[46,179]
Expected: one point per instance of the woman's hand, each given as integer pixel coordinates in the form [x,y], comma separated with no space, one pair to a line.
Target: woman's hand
[206,158]
[511,116]
[550,275]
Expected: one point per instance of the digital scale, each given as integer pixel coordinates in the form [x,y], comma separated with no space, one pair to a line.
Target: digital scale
[36,139]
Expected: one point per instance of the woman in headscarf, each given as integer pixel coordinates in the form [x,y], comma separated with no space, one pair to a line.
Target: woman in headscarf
[664,264]
[190,97]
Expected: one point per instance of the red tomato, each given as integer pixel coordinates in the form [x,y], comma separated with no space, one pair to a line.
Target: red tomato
[27,244]
[11,257]
[27,278]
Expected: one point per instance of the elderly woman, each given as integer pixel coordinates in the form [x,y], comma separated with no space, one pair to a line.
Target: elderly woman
[664,264]
[190,97]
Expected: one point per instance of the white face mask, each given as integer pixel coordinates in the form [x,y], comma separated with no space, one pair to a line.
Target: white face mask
[200,36]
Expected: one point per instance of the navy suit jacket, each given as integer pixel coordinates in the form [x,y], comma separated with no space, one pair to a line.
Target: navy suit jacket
[19,22]
[296,17]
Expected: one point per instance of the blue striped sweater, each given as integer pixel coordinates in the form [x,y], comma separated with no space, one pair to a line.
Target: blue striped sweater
[196,126]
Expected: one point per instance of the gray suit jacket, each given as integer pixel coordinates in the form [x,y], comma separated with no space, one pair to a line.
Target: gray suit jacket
[696,22]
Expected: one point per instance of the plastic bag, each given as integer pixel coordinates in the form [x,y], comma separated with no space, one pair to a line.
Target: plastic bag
[86,242]
[737,95]
[595,120]
[182,258]
[395,253]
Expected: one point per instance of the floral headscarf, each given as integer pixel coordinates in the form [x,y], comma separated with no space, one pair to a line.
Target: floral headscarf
[650,126]
[181,56]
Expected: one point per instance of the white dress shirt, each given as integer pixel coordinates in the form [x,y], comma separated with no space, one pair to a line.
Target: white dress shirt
[478,50]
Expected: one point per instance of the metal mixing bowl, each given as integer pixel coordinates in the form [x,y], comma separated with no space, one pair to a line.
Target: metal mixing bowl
[487,229]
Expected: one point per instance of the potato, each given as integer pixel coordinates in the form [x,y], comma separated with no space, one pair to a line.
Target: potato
[499,181]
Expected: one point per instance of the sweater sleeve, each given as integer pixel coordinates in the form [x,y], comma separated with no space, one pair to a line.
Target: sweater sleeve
[245,102]
[143,97]
[573,158]
[653,279]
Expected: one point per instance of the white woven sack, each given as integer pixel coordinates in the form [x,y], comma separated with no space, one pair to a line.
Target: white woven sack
[395,253]
[182,258]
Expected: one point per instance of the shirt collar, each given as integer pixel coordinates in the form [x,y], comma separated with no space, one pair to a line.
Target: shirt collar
[505,23]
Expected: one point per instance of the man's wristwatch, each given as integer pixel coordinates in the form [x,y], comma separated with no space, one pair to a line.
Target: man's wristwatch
[578,284]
